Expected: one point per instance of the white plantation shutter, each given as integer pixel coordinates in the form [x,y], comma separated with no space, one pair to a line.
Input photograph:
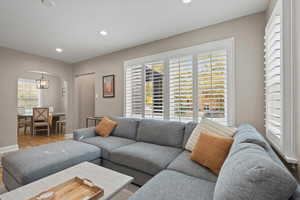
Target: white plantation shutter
[181,88]
[154,89]
[183,85]
[134,91]
[279,81]
[273,77]
[212,86]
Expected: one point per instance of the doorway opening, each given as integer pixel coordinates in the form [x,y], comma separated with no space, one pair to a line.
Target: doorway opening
[42,103]
[85,93]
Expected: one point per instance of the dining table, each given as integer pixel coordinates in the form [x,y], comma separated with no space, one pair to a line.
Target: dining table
[29,116]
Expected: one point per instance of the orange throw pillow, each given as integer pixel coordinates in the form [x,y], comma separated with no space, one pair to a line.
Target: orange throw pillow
[105,127]
[211,151]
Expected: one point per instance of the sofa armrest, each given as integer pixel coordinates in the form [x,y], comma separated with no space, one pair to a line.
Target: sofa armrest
[81,134]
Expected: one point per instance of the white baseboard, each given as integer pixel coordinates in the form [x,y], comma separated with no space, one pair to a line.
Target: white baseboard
[7,149]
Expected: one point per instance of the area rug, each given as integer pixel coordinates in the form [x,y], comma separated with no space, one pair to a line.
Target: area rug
[123,195]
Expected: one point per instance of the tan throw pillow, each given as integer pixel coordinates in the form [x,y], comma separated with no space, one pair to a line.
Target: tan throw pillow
[105,127]
[211,151]
[208,126]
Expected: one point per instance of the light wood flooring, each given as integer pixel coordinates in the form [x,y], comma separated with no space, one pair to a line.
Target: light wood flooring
[28,141]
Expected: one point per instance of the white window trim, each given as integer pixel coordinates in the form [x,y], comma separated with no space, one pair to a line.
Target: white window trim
[227,44]
[286,146]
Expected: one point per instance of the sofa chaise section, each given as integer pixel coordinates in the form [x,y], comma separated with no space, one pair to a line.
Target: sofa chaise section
[25,166]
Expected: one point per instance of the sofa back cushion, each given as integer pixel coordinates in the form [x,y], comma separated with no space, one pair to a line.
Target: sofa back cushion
[248,134]
[126,128]
[167,133]
[249,173]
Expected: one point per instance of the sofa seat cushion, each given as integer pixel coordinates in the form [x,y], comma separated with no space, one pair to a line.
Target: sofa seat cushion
[172,185]
[31,164]
[107,144]
[146,157]
[184,164]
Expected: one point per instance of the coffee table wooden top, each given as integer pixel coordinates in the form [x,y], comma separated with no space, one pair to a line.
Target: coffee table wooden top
[112,182]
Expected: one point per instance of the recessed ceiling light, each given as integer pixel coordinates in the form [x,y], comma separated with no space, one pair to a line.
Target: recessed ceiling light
[59,50]
[186,1]
[103,32]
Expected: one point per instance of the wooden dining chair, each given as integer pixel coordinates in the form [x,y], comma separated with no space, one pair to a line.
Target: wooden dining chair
[40,119]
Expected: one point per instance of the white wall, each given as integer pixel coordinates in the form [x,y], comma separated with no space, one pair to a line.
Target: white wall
[249,39]
[12,65]
[53,95]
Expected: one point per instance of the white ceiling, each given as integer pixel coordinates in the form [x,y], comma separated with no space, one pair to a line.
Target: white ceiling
[74,25]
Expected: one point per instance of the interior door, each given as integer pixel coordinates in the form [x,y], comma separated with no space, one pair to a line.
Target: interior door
[86,97]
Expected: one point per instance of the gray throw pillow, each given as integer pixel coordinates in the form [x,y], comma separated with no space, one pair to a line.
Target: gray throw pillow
[250,174]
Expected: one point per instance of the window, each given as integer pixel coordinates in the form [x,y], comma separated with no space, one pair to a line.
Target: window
[134,91]
[183,85]
[181,88]
[279,79]
[154,89]
[273,77]
[212,85]
[28,94]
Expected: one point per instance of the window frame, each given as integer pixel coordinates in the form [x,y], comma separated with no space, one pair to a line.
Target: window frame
[33,82]
[194,51]
[286,144]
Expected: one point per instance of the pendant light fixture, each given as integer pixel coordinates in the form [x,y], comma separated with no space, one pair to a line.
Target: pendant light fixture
[42,83]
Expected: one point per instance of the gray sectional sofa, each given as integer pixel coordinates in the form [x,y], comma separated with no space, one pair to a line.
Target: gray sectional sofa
[152,151]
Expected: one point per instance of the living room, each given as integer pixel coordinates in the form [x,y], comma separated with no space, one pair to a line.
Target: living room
[173,62]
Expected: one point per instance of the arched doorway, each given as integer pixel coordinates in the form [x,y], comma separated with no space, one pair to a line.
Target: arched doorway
[29,96]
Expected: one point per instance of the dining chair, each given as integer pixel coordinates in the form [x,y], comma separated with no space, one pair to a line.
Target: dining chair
[23,122]
[40,119]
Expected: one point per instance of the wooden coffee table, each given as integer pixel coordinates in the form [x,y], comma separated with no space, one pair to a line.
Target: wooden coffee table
[112,182]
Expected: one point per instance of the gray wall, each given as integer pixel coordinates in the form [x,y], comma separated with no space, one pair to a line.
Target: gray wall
[12,65]
[249,39]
